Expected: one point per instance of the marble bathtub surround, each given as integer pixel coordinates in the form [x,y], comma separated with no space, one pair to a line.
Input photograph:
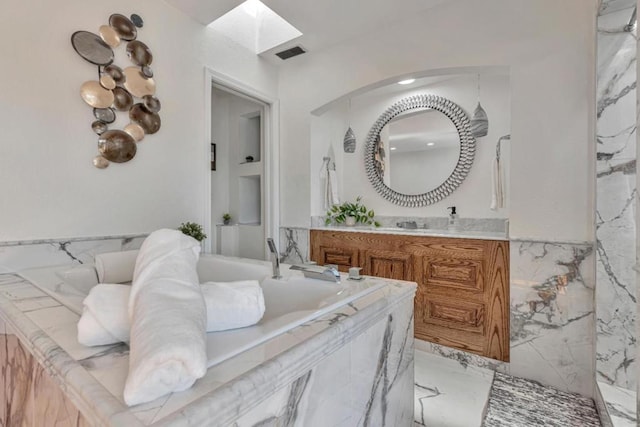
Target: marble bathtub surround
[494,225]
[374,330]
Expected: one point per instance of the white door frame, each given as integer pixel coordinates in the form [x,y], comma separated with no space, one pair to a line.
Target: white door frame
[271,149]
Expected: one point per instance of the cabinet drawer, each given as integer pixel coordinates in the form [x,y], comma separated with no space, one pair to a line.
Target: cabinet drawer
[453,273]
[387,264]
[342,257]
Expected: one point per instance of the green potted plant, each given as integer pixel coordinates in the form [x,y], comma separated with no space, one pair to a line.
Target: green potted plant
[194,230]
[226,218]
[350,214]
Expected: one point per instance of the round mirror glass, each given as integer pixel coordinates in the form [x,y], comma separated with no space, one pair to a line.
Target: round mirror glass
[423,150]
[419,150]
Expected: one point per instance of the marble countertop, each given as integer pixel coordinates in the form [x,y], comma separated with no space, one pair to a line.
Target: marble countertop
[93,377]
[459,234]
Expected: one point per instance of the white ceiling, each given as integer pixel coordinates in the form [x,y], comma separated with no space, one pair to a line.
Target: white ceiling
[322,22]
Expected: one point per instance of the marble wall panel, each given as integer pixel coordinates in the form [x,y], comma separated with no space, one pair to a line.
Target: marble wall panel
[616,280]
[368,382]
[294,245]
[15,256]
[552,314]
[616,194]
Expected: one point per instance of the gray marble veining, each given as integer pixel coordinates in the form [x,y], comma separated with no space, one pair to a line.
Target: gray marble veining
[620,405]
[552,314]
[294,245]
[463,358]
[616,301]
[19,255]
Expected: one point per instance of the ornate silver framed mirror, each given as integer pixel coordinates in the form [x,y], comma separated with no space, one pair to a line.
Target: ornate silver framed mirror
[419,150]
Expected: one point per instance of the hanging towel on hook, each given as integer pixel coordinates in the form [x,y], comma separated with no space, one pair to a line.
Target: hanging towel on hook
[330,194]
[497,186]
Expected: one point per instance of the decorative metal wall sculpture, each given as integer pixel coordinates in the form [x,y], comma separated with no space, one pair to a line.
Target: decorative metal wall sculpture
[117,89]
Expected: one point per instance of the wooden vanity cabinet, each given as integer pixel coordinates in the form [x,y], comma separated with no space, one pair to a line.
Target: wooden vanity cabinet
[462,299]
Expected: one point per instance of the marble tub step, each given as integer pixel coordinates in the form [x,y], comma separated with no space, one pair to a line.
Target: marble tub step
[516,402]
[448,394]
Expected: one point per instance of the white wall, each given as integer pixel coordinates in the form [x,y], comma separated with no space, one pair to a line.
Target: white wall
[472,198]
[550,52]
[47,182]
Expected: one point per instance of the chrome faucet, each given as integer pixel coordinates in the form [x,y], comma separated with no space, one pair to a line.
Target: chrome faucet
[275,258]
[327,273]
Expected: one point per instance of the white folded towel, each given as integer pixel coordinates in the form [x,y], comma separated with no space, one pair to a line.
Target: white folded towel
[105,317]
[168,318]
[230,305]
[116,267]
[333,183]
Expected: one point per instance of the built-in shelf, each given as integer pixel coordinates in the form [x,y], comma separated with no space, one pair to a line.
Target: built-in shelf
[250,199]
[250,169]
[250,137]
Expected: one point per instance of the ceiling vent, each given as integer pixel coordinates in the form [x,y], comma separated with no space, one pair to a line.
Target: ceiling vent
[290,53]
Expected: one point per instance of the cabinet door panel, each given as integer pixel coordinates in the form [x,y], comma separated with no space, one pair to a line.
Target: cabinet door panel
[454,272]
[387,264]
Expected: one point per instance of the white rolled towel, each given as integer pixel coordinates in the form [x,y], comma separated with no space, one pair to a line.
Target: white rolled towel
[233,305]
[116,267]
[168,318]
[105,316]
[230,305]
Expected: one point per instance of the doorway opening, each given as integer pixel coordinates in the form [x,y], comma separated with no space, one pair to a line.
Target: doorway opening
[240,180]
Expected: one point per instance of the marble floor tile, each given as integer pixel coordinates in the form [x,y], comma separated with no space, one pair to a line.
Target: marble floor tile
[621,405]
[517,402]
[447,394]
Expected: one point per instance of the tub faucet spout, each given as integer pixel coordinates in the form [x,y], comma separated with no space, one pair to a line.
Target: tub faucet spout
[275,258]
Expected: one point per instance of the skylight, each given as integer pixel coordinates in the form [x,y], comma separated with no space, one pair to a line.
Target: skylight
[256,27]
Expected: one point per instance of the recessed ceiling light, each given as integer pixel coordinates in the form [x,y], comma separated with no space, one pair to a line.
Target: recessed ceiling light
[431,144]
[406,82]
[392,148]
